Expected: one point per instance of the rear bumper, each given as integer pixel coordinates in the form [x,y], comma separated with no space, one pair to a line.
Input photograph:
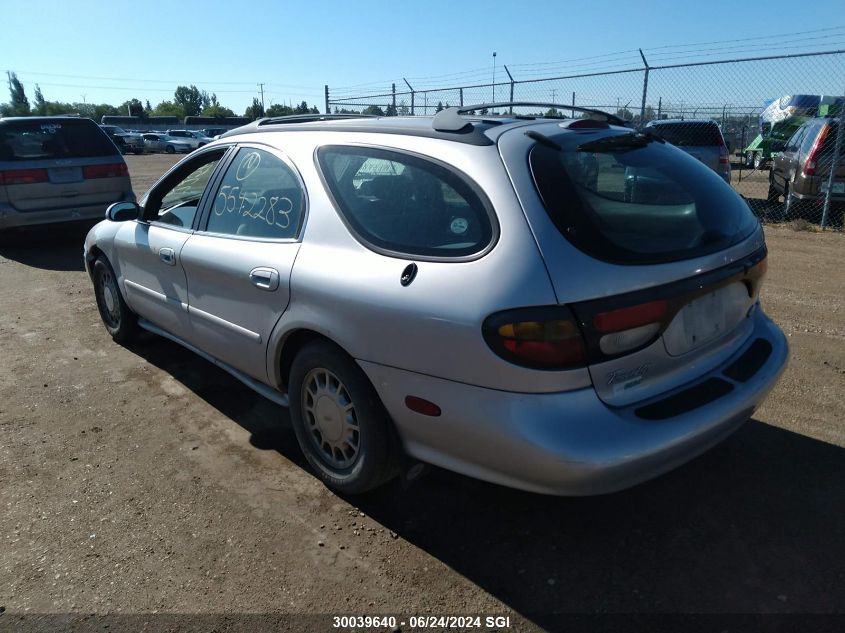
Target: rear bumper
[569,443]
[11,218]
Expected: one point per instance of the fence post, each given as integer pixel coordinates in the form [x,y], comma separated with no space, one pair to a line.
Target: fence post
[659,107]
[573,105]
[328,110]
[393,90]
[512,82]
[645,90]
[412,94]
[834,161]
[461,92]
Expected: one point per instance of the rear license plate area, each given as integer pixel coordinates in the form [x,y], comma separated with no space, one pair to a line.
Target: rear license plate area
[61,175]
[707,318]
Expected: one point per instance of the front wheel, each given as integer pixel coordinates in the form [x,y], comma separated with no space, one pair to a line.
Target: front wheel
[170,149]
[341,425]
[119,320]
[138,152]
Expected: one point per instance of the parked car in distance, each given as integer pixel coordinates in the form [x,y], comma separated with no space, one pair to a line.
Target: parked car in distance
[478,294]
[195,138]
[154,142]
[125,140]
[801,172]
[701,139]
[214,132]
[58,169]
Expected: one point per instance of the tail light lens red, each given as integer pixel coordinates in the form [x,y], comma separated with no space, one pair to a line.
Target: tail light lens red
[809,168]
[112,170]
[23,176]
[539,338]
[724,158]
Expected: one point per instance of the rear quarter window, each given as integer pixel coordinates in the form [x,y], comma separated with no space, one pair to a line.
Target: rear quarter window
[632,200]
[403,204]
[692,134]
[59,139]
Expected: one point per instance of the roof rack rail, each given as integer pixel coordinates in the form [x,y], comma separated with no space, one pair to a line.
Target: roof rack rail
[450,119]
[307,118]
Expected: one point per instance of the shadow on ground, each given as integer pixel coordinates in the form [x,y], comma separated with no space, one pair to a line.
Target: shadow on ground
[49,248]
[756,525]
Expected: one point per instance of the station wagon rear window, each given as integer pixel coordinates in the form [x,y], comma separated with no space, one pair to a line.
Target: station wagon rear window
[65,138]
[690,134]
[405,204]
[627,198]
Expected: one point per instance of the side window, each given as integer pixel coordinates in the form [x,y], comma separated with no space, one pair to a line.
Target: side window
[810,138]
[175,200]
[260,196]
[406,204]
[794,140]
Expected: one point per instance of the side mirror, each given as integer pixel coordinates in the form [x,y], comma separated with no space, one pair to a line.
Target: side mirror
[123,212]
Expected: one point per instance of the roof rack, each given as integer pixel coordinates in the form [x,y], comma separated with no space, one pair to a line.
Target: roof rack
[308,118]
[450,119]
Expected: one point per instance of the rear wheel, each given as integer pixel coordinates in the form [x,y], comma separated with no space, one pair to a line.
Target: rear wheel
[138,152]
[773,194]
[170,149]
[341,425]
[119,320]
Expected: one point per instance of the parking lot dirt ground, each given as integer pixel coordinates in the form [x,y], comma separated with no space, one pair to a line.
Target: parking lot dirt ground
[144,480]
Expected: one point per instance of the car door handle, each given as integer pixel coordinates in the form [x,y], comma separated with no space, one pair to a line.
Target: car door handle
[167,256]
[265,278]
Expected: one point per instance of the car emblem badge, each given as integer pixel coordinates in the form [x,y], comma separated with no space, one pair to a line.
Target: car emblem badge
[624,379]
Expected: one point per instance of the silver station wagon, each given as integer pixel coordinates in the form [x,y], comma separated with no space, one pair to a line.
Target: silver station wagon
[563,306]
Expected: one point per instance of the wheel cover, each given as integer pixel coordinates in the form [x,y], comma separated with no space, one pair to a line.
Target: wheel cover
[331,420]
[110,302]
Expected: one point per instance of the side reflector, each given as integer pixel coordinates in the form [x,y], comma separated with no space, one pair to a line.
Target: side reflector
[421,405]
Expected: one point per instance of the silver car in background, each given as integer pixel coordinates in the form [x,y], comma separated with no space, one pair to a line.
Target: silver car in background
[155,142]
[700,138]
[192,137]
[479,293]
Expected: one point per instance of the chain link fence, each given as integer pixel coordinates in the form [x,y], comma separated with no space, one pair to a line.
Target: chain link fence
[767,125]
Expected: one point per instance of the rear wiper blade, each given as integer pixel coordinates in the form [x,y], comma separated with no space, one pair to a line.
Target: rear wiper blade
[621,142]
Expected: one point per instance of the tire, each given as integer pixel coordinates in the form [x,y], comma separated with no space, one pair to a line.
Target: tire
[121,323]
[749,159]
[170,149]
[341,425]
[793,208]
[758,161]
[773,194]
[138,152]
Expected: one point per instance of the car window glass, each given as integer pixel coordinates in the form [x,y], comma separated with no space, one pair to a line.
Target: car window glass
[810,132]
[260,196]
[795,140]
[53,139]
[179,202]
[406,204]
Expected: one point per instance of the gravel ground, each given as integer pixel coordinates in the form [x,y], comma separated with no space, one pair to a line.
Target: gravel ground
[143,480]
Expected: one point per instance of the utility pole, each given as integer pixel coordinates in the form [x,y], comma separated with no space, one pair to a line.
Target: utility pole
[512,82]
[261,87]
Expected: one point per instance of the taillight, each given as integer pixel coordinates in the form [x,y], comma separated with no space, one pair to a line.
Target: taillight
[539,338]
[23,176]
[809,168]
[627,328]
[112,170]
[724,159]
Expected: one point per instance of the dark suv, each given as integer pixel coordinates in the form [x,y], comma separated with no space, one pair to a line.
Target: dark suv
[801,172]
[126,141]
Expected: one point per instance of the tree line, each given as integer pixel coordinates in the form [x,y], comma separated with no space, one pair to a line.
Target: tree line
[186,101]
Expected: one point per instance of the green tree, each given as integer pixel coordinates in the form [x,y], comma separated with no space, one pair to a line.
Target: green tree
[439,106]
[373,109]
[625,114]
[19,103]
[302,108]
[255,111]
[279,109]
[391,110]
[169,108]
[132,107]
[39,101]
[553,113]
[217,111]
[191,99]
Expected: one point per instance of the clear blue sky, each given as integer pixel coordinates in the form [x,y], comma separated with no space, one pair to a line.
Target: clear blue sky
[110,51]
